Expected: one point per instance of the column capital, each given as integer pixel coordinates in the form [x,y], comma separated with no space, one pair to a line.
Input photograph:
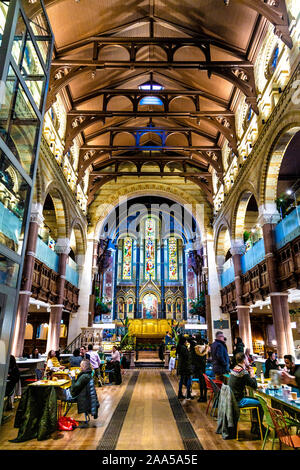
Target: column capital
[268,215]
[237,247]
[63,246]
[36,214]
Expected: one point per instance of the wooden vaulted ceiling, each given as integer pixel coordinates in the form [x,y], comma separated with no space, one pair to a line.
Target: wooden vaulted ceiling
[200,52]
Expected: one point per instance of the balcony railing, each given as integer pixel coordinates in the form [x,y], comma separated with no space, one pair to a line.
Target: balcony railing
[288,228]
[252,257]
[227,275]
[46,255]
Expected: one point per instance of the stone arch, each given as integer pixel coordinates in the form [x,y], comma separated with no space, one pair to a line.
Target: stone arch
[142,189]
[222,243]
[290,125]
[80,238]
[61,211]
[239,214]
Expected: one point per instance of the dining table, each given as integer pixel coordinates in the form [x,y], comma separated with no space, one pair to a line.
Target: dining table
[276,398]
[37,413]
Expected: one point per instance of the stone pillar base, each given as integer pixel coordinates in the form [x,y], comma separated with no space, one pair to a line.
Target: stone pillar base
[167,359]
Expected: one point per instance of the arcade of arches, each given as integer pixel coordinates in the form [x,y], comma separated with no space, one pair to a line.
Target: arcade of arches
[168,175]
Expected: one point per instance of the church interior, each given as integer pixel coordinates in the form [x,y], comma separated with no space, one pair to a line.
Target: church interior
[149,188]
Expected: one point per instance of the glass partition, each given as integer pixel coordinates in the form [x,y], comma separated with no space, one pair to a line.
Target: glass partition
[19,124]
[14,194]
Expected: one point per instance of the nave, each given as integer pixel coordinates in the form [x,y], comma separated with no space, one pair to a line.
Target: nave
[140,415]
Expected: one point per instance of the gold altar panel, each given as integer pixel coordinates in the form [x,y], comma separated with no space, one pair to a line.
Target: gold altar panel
[146,327]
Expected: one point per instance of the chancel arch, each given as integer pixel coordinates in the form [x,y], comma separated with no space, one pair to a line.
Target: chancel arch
[149,239]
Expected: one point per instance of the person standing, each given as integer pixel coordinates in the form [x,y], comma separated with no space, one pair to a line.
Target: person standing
[220,358]
[115,360]
[238,346]
[94,359]
[161,351]
[13,378]
[199,354]
[184,368]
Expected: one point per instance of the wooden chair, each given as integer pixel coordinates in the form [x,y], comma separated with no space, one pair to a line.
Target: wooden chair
[282,431]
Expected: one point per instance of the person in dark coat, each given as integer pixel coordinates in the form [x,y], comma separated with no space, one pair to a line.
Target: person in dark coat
[271,364]
[76,359]
[199,352]
[238,346]
[83,390]
[161,351]
[220,358]
[185,369]
[13,378]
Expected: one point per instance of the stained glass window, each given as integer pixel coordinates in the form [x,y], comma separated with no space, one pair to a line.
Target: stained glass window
[127,258]
[150,237]
[173,259]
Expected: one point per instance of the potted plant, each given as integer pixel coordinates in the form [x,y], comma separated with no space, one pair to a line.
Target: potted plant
[198,305]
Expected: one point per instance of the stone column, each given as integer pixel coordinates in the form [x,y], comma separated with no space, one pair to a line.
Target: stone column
[62,247]
[214,293]
[80,318]
[36,220]
[243,311]
[162,280]
[279,300]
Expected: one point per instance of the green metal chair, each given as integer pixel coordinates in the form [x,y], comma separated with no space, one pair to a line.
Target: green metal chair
[290,422]
[267,419]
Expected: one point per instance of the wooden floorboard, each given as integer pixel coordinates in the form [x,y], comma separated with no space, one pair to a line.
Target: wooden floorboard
[149,423]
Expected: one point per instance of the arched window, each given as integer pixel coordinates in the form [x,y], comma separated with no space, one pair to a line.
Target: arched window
[150,248]
[172,259]
[127,259]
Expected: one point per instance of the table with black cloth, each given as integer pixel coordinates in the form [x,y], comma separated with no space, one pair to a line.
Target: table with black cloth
[36,416]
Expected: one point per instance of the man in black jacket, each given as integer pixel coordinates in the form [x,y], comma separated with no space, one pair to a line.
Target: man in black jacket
[238,380]
[220,358]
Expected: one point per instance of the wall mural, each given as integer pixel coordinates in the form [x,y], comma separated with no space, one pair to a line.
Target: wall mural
[127,258]
[150,306]
[150,235]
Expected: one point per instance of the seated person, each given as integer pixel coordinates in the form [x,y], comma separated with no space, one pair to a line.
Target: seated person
[35,354]
[249,358]
[83,352]
[86,398]
[290,365]
[271,364]
[239,378]
[293,380]
[76,359]
[53,364]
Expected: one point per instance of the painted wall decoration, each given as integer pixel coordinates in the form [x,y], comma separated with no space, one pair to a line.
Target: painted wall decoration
[127,259]
[150,306]
[173,259]
[150,248]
